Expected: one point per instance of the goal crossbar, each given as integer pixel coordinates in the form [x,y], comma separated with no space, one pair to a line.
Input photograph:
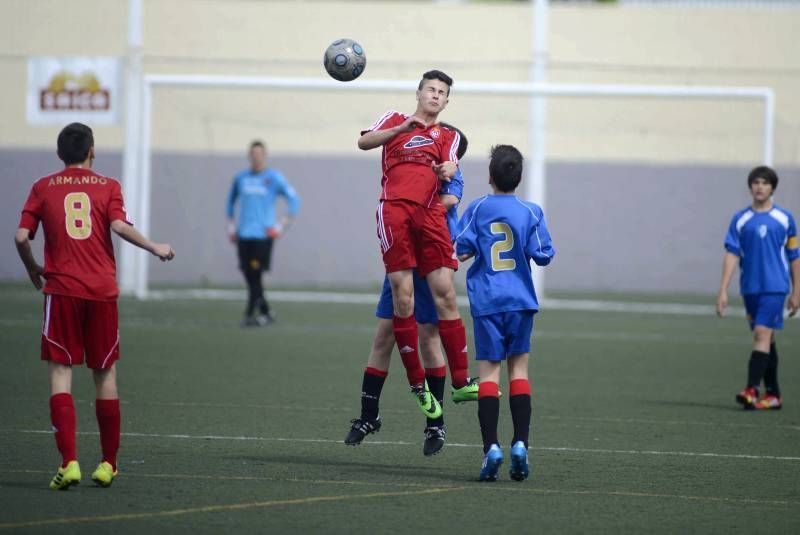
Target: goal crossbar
[134,262]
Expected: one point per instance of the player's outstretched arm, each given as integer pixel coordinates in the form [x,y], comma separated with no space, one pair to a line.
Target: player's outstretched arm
[131,235]
[377,138]
[728,266]
[22,239]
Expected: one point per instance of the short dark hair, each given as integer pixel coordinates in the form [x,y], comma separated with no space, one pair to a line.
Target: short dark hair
[462,142]
[257,143]
[767,173]
[505,167]
[74,143]
[436,75]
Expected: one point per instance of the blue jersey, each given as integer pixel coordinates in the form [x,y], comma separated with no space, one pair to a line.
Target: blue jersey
[257,193]
[503,233]
[765,242]
[456,188]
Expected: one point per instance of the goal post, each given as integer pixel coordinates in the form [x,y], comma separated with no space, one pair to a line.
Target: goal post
[134,262]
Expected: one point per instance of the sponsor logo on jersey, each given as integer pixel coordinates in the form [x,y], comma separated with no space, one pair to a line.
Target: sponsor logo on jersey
[418,141]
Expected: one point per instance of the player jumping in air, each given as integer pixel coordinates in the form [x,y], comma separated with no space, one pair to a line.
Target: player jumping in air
[256,190]
[762,239]
[503,233]
[78,209]
[430,343]
[417,154]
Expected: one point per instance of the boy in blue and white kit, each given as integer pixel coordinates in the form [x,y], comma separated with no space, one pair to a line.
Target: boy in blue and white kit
[503,233]
[762,239]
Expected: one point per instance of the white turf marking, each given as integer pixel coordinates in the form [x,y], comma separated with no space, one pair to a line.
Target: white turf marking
[372,298]
[451,444]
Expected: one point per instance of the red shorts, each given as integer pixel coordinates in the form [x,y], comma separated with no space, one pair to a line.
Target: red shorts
[413,236]
[74,327]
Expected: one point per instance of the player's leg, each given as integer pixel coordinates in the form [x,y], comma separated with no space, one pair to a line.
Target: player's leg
[101,332]
[62,346]
[490,351]
[372,383]
[250,267]
[773,319]
[759,315]
[518,327]
[265,316]
[435,375]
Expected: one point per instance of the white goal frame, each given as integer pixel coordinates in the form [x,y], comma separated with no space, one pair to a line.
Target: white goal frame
[137,179]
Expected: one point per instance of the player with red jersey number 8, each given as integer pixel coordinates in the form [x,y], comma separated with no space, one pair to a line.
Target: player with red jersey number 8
[78,209]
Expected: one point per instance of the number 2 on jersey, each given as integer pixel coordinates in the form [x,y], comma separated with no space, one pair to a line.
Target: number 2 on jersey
[78,209]
[502,246]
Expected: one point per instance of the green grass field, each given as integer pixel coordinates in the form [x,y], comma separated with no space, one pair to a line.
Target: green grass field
[635,430]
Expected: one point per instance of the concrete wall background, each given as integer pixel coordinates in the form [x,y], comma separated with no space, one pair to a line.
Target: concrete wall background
[640,191]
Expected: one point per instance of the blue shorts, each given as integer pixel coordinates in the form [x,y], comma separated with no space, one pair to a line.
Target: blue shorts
[765,310]
[499,336]
[424,308]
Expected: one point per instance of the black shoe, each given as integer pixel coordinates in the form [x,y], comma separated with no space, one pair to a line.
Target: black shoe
[434,440]
[360,429]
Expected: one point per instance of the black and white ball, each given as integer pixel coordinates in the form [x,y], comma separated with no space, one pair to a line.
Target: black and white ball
[344,60]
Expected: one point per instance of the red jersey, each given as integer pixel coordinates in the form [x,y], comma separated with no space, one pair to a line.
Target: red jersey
[76,207]
[407,159]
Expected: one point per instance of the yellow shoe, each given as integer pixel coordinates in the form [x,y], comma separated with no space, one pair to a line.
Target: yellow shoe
[104,474]
[66,477]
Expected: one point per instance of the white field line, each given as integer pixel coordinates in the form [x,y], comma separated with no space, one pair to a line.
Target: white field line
[585,305]
[451,444]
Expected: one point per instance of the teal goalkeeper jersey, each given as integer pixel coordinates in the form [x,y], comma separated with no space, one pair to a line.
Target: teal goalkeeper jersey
[504,233]
[256,194]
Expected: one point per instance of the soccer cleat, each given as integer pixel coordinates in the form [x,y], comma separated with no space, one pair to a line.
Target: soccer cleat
[491,463]
[66,476]
[768,402]
[104,474]
[747,398]
[361,428]
[434,440]
[468,392]
[250,321]
[264,320]
[519,462]
[425,401]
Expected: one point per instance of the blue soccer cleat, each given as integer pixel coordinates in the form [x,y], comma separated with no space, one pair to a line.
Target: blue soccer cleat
[491,463]
[519,462]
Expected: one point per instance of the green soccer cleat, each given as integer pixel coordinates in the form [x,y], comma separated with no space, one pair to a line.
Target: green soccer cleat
[104,474]
[425,401]
[66,476]
[468,392]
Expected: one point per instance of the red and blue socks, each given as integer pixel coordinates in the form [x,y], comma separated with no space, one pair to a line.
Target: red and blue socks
[108,421]
[436,378]
[62,416]
[488,412]
[405,334]
[371,387]
[520,403]
[454,340]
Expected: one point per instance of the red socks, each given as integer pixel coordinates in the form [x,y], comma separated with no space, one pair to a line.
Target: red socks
[520,387]
[454,340]
[405,334]
[62,416]
[108,421]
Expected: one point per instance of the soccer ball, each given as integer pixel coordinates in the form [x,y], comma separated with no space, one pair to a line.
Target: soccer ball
[344,60]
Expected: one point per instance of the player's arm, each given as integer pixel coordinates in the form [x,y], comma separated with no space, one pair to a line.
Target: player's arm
[22,240]
[286,191]
[131,235]
[229,210]
[371,139]
[466,241]
[540,244]
[793,255]
[451,192]
[729,261]
[449,200]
